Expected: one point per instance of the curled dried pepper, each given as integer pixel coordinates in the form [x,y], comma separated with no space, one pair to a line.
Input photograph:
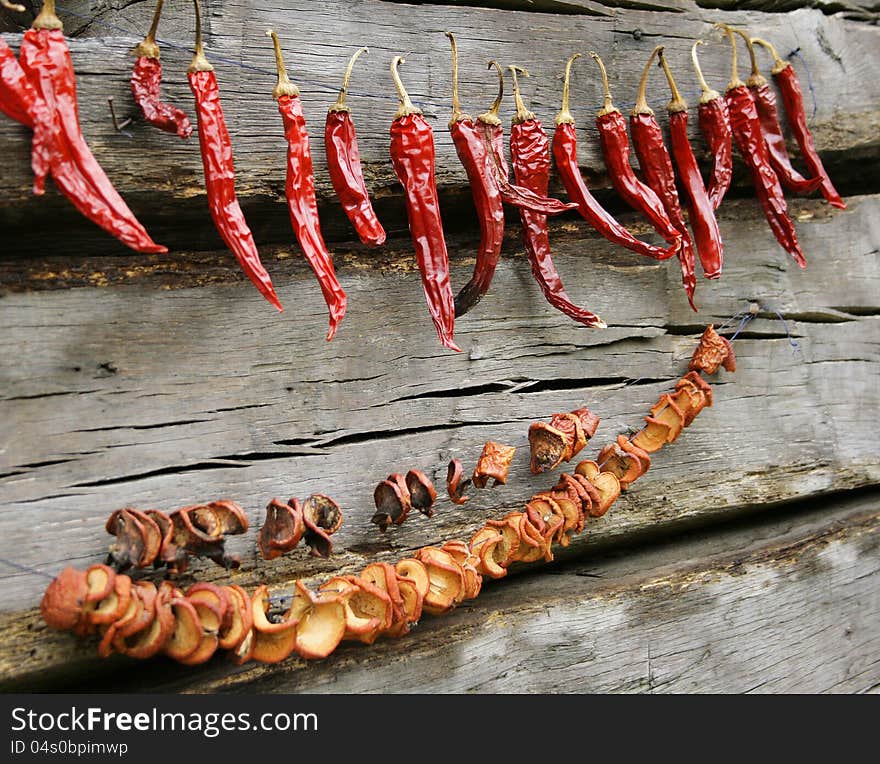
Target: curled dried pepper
[565,155]
[656,166]
[412,154]
[615,150]
[702,216]
[145,80]
[480,147]
[793,100]
[530,152]
[746,128]
[714,120]
[216,149]
[45,60]
[765,103]
[300,191]
[344,166]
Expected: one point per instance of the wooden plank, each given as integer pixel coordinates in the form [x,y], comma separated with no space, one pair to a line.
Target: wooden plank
[161,176]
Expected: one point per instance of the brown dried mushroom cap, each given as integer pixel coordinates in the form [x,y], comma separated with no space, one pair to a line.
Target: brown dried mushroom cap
[186,634]
[494,462]
[456,483]
[232,634]
[273,637]
[446,580]
[321,617]
[415,571]
[421,492]
[547,447]
[667,411]
[570,425]
[282,529]
[483,543]
[712,352]
[392,505]
[64,598]
[589,421]
[608,487]
[589,469]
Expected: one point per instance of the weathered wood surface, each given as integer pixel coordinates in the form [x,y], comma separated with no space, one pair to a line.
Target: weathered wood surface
[132,396]
[161,176]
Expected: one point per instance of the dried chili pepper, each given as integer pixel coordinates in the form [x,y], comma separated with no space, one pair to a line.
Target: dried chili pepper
[530,152]
[145,80]
[765,103]
[344,166]
[656,166]
[702,216]
[45,59]
[300,191]
[216,148]
[793,100]
[615,150]
[746,128]
[565,156]
[714,120]
[412,154]
[480,147]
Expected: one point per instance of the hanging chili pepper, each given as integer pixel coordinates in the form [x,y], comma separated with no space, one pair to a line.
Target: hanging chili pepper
[746,128]
[344,166]
[216,149]
[300,189]
[412,154]
[145,80]
[480,147]
[530,152]
[656,166]
[765,103]
[615,150]
[702,216]
[714,122]
[793,100]
[565,155]
[45,59]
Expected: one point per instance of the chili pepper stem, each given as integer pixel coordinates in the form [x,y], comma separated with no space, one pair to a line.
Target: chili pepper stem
[565,117]
[641,106]
[13,6]
[778,63]
[735,81]
[457,114]
[490,117]
[406,106]
[608,107]
[284,87]
[522,113]
[708,94]
[47,18]
[677,103]
[343,91]
[199,62]
[148,47]
[756,79]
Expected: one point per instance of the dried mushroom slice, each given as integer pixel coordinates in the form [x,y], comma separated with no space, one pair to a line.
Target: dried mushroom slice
[456,483]
[282,529]
[547,446]
[422,493]
[273,635]
[575,438]
[626,467]
[240,620]
[321,617]
[484,543]
[322,517]
[589,421]
[186,634]
[608,487]
[446,580]
[713,352]
[391,505]
[494,463]
[668,412]
[63,601]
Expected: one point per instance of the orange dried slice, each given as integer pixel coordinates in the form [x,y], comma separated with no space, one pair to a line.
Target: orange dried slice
[608,487]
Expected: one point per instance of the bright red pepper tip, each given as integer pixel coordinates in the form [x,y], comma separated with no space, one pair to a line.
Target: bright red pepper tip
[449,343]
[840,205]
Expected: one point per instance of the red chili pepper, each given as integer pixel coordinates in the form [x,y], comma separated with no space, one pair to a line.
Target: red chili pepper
[480,147]
[300,190]
[45,59]
[530,151]
[746,127]
[702,216]
[714,122]
[344,166]
[793,100]
[145,80]
[216,149]
[656,166]
[412,154]
[565,155]
[615,150]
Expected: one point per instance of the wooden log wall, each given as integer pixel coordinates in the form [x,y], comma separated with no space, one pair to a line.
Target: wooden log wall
[163,380]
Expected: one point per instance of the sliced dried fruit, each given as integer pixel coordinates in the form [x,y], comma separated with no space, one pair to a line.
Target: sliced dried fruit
[282,529]
[114,605]
[608,487]
[494,463]
[533,546]
[392,504]
[130,547]
[412,603]
[589,421]
[273,634]
[383,576]
[547,447]
[653,436]
[668,412]
[505,551]
[631,448]
[321,621]
[168,551]
[64,598]
[484,543]
[713,352]
[368,610]
[150,640]
[422,493]
[240,620]
[552,517]
[186,634]
[414,571]
[456,483]
[446,580]
[322,517]
[575,437]
[469,562]
[589,469]
[627,467]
